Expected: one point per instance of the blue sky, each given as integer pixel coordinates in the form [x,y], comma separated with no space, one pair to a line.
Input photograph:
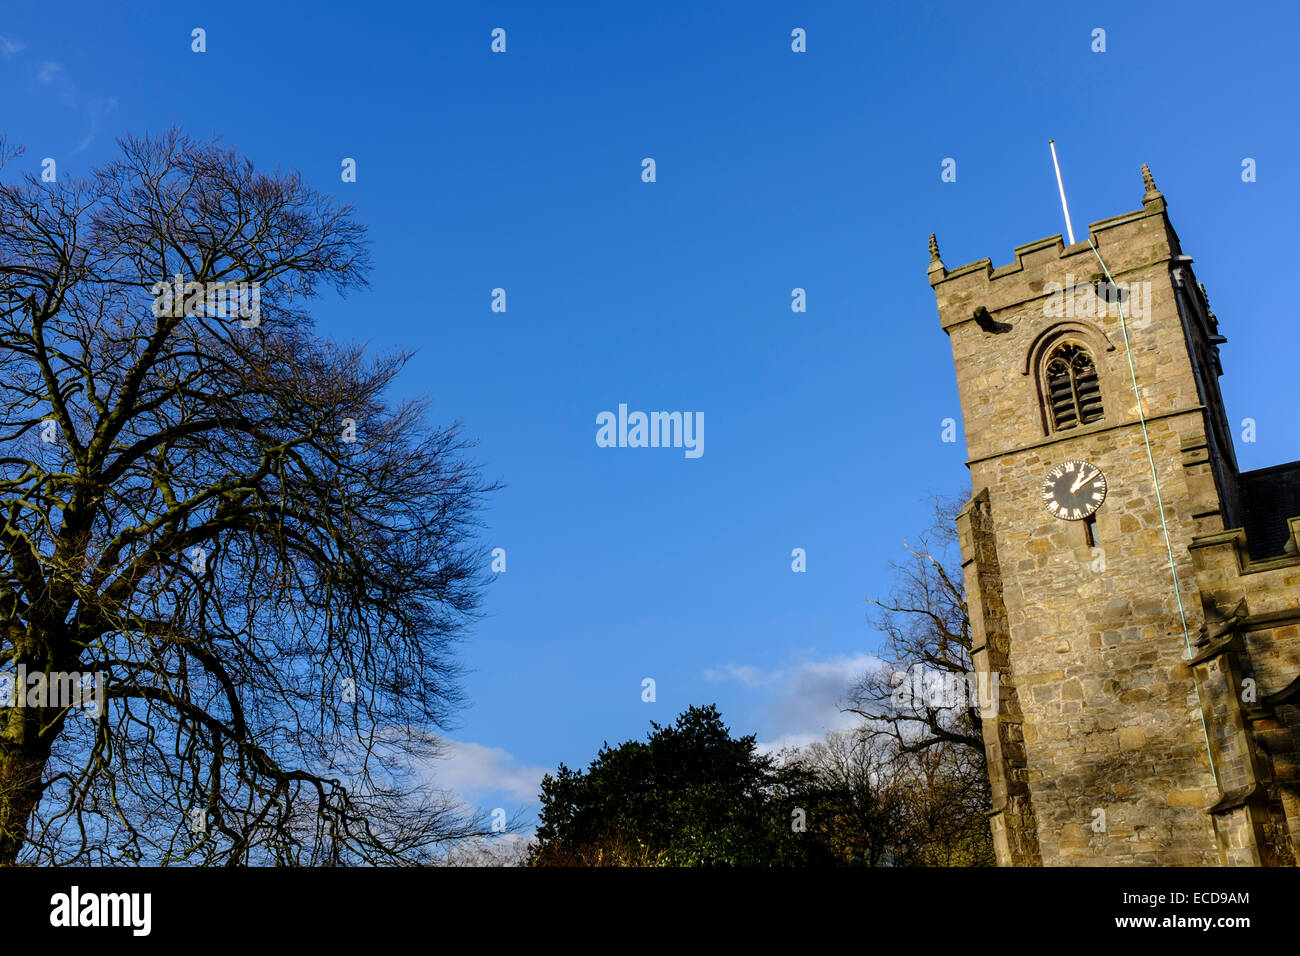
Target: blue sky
[775,170]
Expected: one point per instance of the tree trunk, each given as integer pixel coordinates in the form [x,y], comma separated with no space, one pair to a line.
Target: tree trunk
[23,755]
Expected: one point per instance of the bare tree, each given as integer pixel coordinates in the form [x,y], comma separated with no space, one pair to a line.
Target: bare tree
[938,772]
[870,803]
[942,798]
[857,811]
[216,513]
[924,624]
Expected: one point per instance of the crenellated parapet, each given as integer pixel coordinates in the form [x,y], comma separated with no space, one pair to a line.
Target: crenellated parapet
[1133,240]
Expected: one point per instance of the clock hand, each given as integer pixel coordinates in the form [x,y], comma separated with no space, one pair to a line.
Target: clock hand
[1081,481]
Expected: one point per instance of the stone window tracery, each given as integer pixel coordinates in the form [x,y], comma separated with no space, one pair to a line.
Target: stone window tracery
[1073,390]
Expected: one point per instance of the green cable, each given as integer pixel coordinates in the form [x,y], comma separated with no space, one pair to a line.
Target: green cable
[1155,480]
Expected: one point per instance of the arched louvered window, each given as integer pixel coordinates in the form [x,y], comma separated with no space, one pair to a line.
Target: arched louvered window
[1073,394]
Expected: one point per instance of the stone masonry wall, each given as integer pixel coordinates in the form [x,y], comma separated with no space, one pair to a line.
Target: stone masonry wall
[1014,828]
[1111,714]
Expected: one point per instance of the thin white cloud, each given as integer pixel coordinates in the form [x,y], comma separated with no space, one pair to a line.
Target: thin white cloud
[469,770]
[790,742]
[8,47]
[749,676]
[98,109]
[801,701]
[52,75]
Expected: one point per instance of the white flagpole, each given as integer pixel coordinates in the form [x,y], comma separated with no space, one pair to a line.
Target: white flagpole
[1061,186]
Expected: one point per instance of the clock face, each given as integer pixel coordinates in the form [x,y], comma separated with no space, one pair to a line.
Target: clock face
[1074,490]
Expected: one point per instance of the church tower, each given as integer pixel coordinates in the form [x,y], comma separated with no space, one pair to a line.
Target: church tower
[1147,716]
